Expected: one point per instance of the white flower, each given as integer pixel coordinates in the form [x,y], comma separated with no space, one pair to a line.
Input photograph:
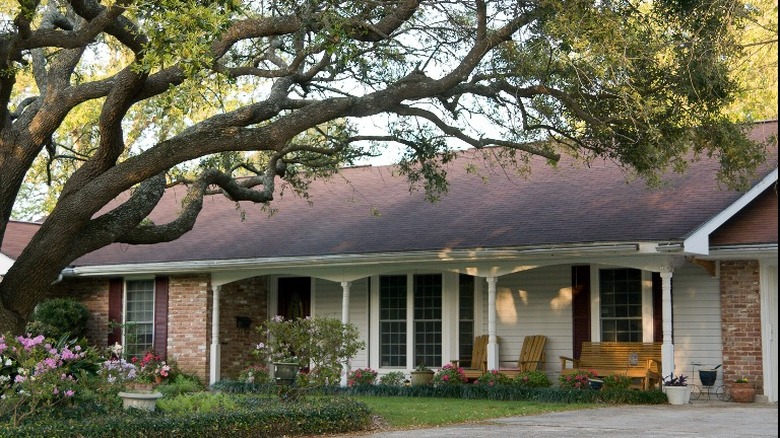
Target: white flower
[8,362]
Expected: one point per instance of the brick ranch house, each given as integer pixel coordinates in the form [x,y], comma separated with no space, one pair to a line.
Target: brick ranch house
[573,253]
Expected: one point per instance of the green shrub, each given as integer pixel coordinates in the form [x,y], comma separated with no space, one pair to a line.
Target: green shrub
[256,417]
[576,380]
[394,378]
[58,317]
[616,381]
[197,402]
[362,376]
[532,379]
[449,374]
[181,384]
[493,378]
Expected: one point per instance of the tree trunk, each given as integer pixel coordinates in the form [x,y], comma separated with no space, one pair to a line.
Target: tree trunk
[10,322]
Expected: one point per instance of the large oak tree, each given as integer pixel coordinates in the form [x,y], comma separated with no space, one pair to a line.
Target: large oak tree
[119,95]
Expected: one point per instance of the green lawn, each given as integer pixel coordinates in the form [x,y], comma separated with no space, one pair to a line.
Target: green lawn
[413,412]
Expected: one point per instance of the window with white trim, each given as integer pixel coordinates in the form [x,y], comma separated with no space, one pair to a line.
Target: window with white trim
[392,321]
[139,317]
[402,326]
[620,295]
[427,319]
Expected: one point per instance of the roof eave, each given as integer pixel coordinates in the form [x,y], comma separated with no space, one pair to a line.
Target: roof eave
[698,242]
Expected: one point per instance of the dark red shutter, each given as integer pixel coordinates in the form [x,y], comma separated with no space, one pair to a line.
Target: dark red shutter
[161,315]
[115,292]
[657,308]
[580,305]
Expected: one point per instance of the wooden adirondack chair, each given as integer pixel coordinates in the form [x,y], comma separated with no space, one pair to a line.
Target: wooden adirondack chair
[531,356]
[478,358]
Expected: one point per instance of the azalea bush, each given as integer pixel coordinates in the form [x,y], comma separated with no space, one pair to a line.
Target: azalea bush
[493,378]
[393,378]
[616,381]
[362,376]
[532,379]
[579,379]
[37,374]
[255,374]
[449,374]
[150,368]
[322,344]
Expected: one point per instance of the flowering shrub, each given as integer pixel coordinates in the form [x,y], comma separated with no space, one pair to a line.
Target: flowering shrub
[150,368]
[362,376]
[493,378]
[393,378]
[255,374]
[36,374]
[616,381]
[449,374]
[325,344]
[532,379]
[576,380]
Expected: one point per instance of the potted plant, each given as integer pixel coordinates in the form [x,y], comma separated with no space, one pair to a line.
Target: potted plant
[677,390]
[742,391]
[422,375]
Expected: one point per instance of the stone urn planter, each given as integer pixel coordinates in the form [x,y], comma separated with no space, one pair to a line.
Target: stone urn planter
[285,373]
[140,396]
[424,377]
[678,395]
[743,392]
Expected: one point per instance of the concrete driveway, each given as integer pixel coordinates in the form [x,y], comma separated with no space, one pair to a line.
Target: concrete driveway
[699,419]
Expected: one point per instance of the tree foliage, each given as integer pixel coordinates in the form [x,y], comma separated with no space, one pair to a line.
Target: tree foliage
[105,97]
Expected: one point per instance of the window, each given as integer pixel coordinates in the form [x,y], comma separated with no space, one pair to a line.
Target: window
[465,318]
[427,320]
[392,321]
[399,329]
[139,317]
[620,292]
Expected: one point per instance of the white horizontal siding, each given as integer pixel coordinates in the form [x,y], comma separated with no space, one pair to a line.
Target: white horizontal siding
[696,321]
[327,303]
[535,302]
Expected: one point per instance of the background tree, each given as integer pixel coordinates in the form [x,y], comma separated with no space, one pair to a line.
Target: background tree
[130,94]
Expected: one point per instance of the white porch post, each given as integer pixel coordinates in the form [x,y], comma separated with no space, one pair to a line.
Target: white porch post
[492,348]
[214,369]
[345,320]
[667,349]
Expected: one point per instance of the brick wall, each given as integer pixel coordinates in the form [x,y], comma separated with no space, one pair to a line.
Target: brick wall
[93,293]
[741,321]
[189,323]
[245,299]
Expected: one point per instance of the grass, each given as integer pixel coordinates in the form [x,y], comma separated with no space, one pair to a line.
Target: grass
[408,412]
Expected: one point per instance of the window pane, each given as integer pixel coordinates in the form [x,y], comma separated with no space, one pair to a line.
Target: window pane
[466,322]
[392,321]
[427,319]
[139,317]
[621,304]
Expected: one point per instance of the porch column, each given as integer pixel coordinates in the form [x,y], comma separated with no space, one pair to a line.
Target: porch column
[214,369]
[345,320]
[667,349]
[492,348]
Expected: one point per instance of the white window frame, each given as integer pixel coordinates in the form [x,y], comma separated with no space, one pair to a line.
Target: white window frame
[595,302]
[126,322]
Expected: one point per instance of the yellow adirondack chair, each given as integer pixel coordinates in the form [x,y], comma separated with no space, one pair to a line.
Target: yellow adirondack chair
[531,356]
[478,358]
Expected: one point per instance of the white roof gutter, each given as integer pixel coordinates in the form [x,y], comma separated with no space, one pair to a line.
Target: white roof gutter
[351,260]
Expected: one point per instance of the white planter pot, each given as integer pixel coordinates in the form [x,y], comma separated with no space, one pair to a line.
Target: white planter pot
[678,395]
